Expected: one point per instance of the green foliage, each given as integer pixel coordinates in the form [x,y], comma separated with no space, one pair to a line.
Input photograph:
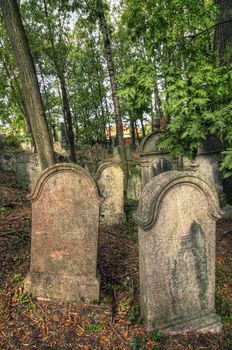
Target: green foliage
[134,316]
[223,308]
[158,336]
[17,278]
[95,327]
[166,65]
[137,342]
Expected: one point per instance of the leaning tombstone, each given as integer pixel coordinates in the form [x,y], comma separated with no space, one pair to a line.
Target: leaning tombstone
[177,216]
[110,181]
[65,217]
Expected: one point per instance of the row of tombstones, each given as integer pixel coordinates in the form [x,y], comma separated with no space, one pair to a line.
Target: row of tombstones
[176,219]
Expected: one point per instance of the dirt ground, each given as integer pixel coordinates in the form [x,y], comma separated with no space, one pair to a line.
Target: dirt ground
[113,324]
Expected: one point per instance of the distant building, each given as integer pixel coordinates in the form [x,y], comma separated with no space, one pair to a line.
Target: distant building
[112,132]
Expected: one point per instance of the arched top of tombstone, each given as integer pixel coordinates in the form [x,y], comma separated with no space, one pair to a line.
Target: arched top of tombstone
[159,186]
[148,145]
[105,165]
[49,172]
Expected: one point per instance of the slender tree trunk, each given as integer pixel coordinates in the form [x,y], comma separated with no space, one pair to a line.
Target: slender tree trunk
[17,94]
[60,73]
[137,131]
[18,98]
[224,32]
[132,128]
[110,65]
[30,86]
[68,117]
[142,125]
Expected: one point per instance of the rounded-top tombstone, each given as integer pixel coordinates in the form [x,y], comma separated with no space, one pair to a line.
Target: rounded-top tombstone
[153,161]
[110,180]
[177,216]
[65,218]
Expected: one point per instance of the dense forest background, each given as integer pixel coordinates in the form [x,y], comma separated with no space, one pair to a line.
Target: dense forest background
[101,63]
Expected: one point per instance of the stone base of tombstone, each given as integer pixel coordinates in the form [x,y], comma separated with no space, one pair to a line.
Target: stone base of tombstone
[78,289]
[204,324]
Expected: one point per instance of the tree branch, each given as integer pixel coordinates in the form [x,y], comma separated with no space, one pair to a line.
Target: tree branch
[206,30]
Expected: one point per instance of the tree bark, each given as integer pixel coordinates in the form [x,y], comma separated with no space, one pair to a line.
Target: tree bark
[110,65]
[30,86]
[224,32]
[60,73]
[68,117]
[132,129]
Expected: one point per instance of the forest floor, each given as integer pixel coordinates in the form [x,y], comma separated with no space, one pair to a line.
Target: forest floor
[113,324]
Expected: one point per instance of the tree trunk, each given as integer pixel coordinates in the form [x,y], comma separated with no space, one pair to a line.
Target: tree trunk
[110,65]
[132,127]
[68,117]
[60,73]
[30,86]
[142,125]
[224,32]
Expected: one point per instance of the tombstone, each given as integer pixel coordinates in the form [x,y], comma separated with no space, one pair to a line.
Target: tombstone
[62,136]
[8,162]
[87,154]
[209,159]
[65,218]
[134,187]
[99,153]
[110,179]
[207,163]
[116,155]
[177,216]
[27,169]
[154,161]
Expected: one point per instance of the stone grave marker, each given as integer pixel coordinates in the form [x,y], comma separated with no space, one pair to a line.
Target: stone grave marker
[27,169]
[65,217]
[177,216]
[154,161]
[111,181]
[8,161]
[134,187]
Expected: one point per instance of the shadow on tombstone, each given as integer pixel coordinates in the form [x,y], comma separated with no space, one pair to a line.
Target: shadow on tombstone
[177,216]
[65,218]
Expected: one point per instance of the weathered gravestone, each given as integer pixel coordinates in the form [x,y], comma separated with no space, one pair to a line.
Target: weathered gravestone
[7,161]
[62,136]
[207,163]
[154,161]
[110,181]
[27,169]
[65,217]
[134,187]
[177,216]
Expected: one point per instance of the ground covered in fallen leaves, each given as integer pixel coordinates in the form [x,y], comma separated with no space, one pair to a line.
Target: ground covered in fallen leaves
[113,324]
